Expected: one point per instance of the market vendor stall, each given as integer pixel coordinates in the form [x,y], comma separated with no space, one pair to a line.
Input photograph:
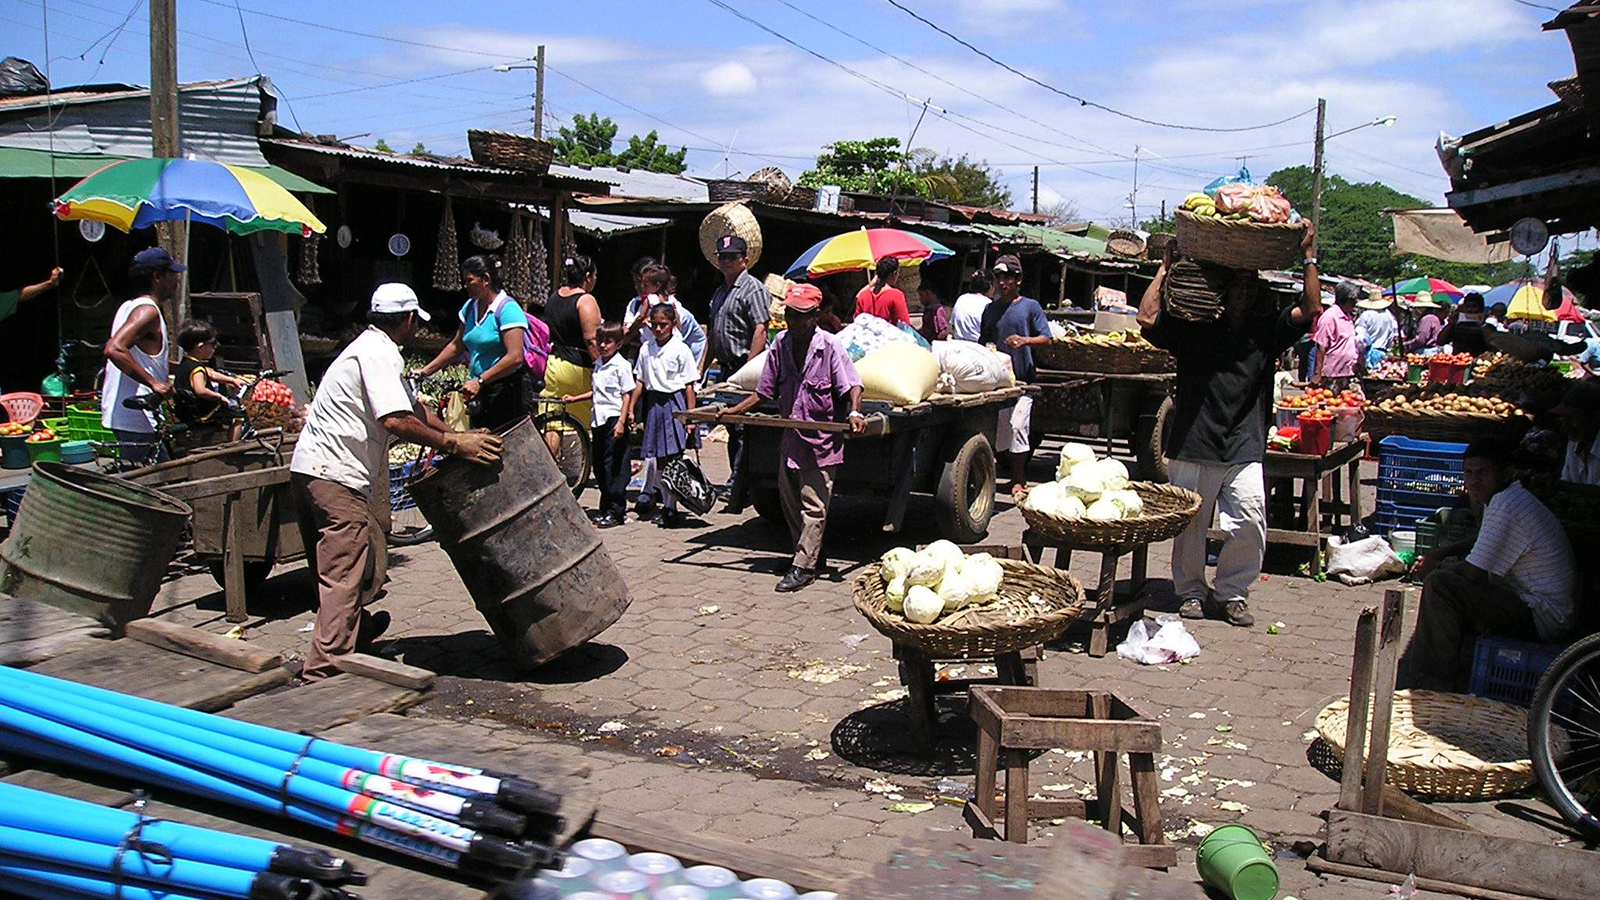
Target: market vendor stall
[1115,383]
[1311,517]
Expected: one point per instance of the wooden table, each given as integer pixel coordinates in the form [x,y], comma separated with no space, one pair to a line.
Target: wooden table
[1101,607]
[1310,472]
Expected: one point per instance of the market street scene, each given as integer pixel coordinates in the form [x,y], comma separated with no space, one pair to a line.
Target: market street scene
[768,450]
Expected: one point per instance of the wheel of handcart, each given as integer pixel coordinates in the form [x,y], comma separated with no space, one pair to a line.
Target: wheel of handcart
[965,494]
[255,572]
[768,504]
[1150,441]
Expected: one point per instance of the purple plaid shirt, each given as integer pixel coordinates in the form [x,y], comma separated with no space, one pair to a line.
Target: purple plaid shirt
[810,395]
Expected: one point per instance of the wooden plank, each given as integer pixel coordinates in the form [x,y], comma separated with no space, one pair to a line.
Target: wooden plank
[227,484]
[1324,867]
[386,670]
[32,632]
[1081,734]
[1397,804]
[325,704]
[1016,807]
[1462,857]
[91,787]
[134,667]
[1355,731]
[234,592]
[1385,666]
[202,644]
[706,848]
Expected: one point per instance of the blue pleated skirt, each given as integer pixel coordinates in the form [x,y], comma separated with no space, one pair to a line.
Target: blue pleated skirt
[664,435]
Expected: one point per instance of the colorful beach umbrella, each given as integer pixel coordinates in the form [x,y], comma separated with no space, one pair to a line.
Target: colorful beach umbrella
[136,193]
[1438,287]
[860,249]
[1524,299]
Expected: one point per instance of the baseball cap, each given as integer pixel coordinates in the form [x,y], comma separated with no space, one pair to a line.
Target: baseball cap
[157,258]
[803,298]
[732,244]
[1008,264]
[1581,397]
[394,297]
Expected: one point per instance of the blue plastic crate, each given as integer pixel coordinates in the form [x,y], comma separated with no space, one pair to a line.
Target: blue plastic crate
[10,503]
[399,497]
[1509,670]
[1424,474]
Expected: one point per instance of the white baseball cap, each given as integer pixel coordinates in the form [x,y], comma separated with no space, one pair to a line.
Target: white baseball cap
[394,297]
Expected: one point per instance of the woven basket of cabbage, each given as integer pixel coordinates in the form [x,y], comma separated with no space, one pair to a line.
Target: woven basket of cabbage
[1034,605]
[1448,746]
[1166,511]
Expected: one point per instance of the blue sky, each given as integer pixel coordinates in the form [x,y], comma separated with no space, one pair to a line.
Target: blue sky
[743,99]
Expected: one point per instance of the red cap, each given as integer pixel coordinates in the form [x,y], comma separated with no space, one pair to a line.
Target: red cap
[803,298]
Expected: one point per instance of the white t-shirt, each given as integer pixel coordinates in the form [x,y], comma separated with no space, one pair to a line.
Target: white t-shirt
[668,367]
[118,387]
[1581,467]
[1521,541]
[966,316]
[613,379]
[343,440]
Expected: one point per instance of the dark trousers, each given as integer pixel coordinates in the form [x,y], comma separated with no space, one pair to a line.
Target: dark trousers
[735,450]
[611,468]
[1456,607]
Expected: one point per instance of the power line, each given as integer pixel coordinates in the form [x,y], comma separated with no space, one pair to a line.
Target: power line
[1082,101]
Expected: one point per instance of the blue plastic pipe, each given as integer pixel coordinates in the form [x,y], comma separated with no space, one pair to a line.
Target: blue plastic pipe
[50,851]
[28,878]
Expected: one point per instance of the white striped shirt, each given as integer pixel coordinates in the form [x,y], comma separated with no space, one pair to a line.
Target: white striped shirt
[1521,541]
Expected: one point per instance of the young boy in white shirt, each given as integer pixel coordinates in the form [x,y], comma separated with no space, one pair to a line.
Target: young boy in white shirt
[612,398]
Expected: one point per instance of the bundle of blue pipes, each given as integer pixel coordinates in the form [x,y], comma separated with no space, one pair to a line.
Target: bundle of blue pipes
[493,826]
[56,847]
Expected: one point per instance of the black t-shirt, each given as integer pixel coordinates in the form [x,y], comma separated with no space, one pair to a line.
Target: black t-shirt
[1224,384]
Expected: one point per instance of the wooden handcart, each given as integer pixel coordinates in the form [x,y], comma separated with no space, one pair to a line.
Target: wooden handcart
[1130,410]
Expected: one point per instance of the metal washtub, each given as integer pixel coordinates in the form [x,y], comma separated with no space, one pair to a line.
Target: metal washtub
[91,543]
[534,565]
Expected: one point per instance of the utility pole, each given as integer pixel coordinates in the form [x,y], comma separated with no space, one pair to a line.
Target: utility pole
[164,140]
[538,94]
[1035,190]
[1133,198]
[1316,173]
[1163,212]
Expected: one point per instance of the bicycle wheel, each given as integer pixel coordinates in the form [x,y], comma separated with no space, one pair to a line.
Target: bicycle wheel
[1564,734]
[575,457]
[407,527]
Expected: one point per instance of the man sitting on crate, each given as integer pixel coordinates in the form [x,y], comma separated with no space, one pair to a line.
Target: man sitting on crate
[344,451]
[1218,437]
[1519,579]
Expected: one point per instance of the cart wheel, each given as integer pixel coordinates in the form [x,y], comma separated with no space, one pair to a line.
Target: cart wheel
[768,504]
[1151,440]
[966,490]
[255,572]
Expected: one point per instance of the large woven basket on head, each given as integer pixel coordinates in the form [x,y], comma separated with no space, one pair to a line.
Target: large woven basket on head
[1167,512]
[730,218]
[1074,355]
[510,151]
[1036,604]
[1238,245]
[1448,746]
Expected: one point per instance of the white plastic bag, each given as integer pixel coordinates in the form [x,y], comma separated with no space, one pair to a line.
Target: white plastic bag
[1364,561]
[968,368]
[749,374]
[1170,642]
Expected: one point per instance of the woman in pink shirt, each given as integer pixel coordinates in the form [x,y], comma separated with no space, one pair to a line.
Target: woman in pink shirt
[881,298]
[1335,336]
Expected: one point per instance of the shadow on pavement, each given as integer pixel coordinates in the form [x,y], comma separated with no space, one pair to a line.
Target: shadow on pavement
[879,738]
[477,654]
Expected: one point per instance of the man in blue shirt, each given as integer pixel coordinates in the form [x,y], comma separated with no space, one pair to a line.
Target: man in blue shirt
[1017,324]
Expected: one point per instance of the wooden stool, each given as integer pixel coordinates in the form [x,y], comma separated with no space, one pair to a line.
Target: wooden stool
[1019,667]
[1102,608]
[1012,721]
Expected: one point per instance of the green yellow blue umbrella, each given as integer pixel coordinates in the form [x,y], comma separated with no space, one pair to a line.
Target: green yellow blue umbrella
[137,193]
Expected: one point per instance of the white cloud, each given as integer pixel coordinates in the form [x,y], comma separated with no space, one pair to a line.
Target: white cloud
[728,79]
[560,49]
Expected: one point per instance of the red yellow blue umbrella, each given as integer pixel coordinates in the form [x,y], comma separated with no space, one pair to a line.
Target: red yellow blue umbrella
[136,193]
[856,250]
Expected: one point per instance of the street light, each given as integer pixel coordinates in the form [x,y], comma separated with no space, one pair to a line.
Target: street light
[538,87]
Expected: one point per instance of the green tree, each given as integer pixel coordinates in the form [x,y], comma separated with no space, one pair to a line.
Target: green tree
[587,142]
[382,146]
[876,166]
[649,154]
[1356,236]
[419,148]
[958,179]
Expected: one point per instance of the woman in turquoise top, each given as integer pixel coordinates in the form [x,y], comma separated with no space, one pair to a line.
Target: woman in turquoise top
[490,336]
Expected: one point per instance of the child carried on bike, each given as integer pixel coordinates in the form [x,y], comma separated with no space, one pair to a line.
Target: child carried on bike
[204,398]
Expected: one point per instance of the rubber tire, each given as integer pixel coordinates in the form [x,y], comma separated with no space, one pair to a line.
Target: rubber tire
[768,505]
[964,510]
[1149,441]
[255,572]
[579,434]
[1584,651]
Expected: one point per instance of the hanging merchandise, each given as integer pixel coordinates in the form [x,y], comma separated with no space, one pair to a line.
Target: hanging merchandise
[446,261]
[309,273]
[485,239]
[514,271]
[569,245]
[538,264]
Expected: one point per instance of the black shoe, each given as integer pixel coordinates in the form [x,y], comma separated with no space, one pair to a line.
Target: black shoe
[671,518]
[1192,608]
[607,520]
[646,512]
[796,579]
[371,627]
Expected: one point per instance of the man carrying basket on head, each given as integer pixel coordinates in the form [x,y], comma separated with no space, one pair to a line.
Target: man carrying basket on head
[1219,427]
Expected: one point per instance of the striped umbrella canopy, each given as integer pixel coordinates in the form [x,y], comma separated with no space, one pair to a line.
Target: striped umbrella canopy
[1437,287]
[861,249]
[1524,299]
[136,193]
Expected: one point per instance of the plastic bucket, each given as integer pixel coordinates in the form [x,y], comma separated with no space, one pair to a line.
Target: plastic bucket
[14,452]
[45,451]
[1288,416]
[1233,860]
[1440,372]
[1404,545]
[1347,422]
[1414,373]
[77,452]
[1316,435]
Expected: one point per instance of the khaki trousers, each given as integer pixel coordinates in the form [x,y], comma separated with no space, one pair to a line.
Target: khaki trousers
[1456,608]
[806,494]
[334,526]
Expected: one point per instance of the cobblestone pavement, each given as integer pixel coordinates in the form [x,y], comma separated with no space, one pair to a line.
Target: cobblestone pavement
[716,704]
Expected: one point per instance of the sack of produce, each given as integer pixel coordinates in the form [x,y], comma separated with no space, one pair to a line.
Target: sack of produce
[968,368]
[867,333]
[749,374]
[900,373]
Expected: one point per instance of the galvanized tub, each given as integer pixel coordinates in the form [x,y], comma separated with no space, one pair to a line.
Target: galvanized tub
[535,567]
[91,543]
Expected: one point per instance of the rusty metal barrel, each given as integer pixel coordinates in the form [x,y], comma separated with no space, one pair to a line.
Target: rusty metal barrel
[533,564]
[91,543]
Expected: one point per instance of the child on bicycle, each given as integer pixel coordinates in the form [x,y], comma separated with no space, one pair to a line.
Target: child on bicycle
[203,396]
[666,372]
[612,400]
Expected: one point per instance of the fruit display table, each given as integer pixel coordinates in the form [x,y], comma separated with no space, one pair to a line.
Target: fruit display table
[1306,475]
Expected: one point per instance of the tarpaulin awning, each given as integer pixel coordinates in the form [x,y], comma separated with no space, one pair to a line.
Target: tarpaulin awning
[1441,234]
[20,162]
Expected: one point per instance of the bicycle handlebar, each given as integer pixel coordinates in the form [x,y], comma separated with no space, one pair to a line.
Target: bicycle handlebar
[144,402]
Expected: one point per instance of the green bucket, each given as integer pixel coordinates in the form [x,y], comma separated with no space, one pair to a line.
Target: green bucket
[1233,860]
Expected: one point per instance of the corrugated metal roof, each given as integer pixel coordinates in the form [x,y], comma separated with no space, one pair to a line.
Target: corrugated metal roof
[456,164]
[18,162]
[603,224]
[639,182]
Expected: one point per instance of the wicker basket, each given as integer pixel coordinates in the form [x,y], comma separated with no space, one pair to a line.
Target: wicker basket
[1109,359]
[1428,425]
[1125,243]
[778,184]
[510,151]
[1013,622]
[1167,511]
[801,197]
[269,415]
[729,190]
[1155,246]
[1238,245]
[1449,746]
[730,218]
